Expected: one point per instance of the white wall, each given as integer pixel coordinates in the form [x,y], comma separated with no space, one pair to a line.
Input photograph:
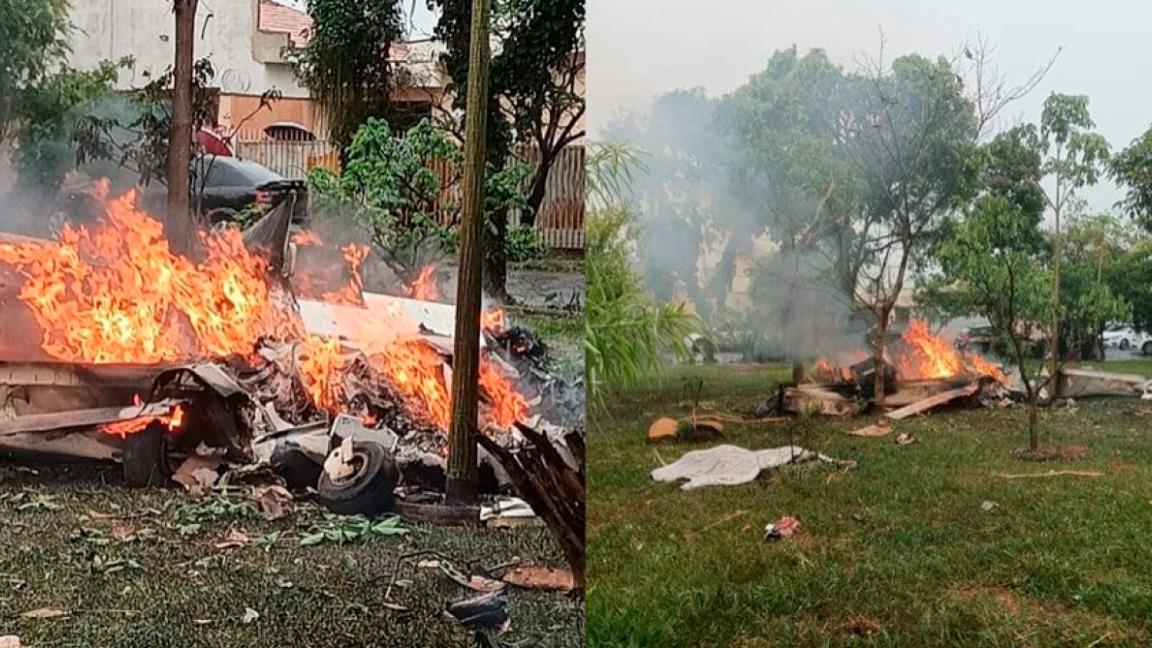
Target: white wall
[111,29]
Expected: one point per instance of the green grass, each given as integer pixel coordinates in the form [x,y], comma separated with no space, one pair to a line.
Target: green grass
[163,589]
[896,552]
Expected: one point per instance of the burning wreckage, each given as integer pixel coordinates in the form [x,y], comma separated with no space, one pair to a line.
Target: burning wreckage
[923,371]
[115,348]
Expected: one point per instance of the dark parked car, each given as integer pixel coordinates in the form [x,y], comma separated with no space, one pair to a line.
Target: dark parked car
[231,185]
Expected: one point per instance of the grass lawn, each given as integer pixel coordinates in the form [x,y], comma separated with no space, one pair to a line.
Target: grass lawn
[139,582]
[896,552]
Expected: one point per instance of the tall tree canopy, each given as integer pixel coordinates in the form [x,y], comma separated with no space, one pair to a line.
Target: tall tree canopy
[346,63]
[33,40]
[537,50]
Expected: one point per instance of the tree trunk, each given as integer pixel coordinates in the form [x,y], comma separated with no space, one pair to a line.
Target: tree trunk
[496,259]
[539,187]
[1033,417]
[181,226]
[879,383]
[1057,243]
[462,472]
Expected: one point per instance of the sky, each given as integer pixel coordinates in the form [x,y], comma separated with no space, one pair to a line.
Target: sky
[638,49]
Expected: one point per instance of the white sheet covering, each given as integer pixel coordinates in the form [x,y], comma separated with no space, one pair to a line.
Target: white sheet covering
[725,465]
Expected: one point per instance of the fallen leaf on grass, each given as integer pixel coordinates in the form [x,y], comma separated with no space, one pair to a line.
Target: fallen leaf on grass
[862,626]
[123,533]
[274,502]
[250,615]
[540,577]
[878,429]
[45,613]
[232,540]
[476,583]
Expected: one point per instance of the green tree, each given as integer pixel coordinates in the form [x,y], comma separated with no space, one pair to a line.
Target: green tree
[990,264]
[533,98]
[625,328]
[346,63]
[53,115]
[1074,157]
[910,136]
[1132,169]
[390,187]
[33,41]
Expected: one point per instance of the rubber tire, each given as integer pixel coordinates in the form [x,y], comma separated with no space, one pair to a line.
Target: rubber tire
[369,491]
[1147,348]
[1124,345]
[298,469]
[144,460]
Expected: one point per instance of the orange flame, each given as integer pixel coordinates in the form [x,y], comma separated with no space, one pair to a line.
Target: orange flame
[424,286]
[928,356]
[173,421]
[351,293]
[493,320]
[116,293]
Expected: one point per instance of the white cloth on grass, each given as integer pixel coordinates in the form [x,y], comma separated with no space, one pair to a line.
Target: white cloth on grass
[725,465]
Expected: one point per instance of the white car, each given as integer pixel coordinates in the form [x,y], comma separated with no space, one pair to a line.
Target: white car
[1124,337]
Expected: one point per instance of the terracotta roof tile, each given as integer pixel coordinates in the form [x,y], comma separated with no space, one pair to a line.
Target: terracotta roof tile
[278,18]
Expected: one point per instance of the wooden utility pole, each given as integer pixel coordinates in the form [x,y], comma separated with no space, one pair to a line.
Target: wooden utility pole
[181,227]
[461,486]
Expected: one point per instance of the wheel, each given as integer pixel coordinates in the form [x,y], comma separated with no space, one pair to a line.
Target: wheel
[1124,344]
[145,459]
[1147,348]
[368,491]
[298,469]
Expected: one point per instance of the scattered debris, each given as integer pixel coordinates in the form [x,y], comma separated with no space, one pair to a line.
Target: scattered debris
[234,540]
[1080,383]
[274,502]
[726,465]
[906,439]
[508,512]
[484,614]
[785,527]
[988,505]
[476,583]
[1052,473]
[933,401]
[250,616]
[1072,452]
[45,613]
[663,429]
[878,429]
[552,483]
[540,577]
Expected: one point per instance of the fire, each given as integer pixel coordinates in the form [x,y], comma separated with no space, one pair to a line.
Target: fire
[173,421]
[493,320]
[351,293]
[318,270]
[117,293]
[927,356]
[320,362]
[424,286]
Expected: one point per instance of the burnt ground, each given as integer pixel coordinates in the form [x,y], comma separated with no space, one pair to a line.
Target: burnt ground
[151,575]
[139,568]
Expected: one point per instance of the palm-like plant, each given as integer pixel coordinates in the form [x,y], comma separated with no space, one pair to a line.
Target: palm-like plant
[625,328]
